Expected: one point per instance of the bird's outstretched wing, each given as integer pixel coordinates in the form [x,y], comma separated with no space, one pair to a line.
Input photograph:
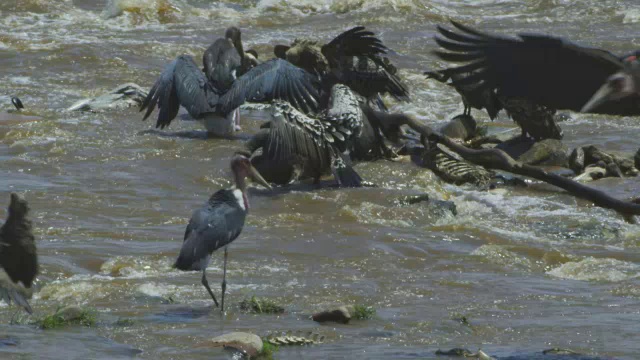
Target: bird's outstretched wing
[181,83]
[548,70]
[356,41]
[275,79]
[370,75]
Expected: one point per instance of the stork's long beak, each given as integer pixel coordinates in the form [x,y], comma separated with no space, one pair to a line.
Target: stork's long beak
[618,86]
[603,94]
[255,176]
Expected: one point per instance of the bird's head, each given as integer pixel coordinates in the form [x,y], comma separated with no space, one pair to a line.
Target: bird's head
[233,34]
[242,169]
[619,85]
[18,206]
[306,54]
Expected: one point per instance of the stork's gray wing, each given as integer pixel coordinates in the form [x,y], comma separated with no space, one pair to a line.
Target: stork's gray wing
[271,80]
[221,62]
[547,70]
[181,83]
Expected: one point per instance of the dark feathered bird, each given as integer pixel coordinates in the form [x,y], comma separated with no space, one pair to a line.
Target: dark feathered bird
[218,223]
[353,58]
[296,146]
[18,256]
[546,71]
[17,103]
[214,96]
[473,96]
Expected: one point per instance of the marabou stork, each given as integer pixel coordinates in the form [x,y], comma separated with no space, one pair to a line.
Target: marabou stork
[228,80]
[533,75]
[18,257]
[218,223]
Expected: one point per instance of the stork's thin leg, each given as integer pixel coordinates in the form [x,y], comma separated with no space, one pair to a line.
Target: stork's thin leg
[224,278]
[206,285]
[236,120]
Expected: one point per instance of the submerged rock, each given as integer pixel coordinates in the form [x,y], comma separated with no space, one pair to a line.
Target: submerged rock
[247,343]
[121,97]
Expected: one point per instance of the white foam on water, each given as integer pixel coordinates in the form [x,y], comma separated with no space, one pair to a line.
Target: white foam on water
[597,269]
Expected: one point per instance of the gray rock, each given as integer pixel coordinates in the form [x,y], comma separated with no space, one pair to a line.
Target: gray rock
[121,97]
[576,160]
[613,170]
[460,127]
[247,343]
[547,152]
[340,315]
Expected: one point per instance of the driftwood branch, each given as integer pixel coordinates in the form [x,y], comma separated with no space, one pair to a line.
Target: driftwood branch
[499,160]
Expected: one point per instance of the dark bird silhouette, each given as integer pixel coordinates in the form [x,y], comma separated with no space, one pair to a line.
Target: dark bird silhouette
[546,72]
[296,146]
[228,81]
[218,223]
[473,96]
[18,257]
[353,58]
[17,103]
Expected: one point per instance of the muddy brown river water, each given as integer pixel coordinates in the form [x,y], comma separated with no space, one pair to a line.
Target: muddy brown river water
[529,268]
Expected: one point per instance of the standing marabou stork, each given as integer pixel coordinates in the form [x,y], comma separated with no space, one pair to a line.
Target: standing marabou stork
[231,77]
[534,75]
[18,257]
[218,223]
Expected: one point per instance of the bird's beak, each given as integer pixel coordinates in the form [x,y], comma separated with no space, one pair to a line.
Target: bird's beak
[602,95]
[255,176]
[618,86]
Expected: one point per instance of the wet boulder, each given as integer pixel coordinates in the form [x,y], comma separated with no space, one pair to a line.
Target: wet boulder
[121,97]
[617,164]
[461,127]
[341,315]
[548,152]
[576,160]
[247,343]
